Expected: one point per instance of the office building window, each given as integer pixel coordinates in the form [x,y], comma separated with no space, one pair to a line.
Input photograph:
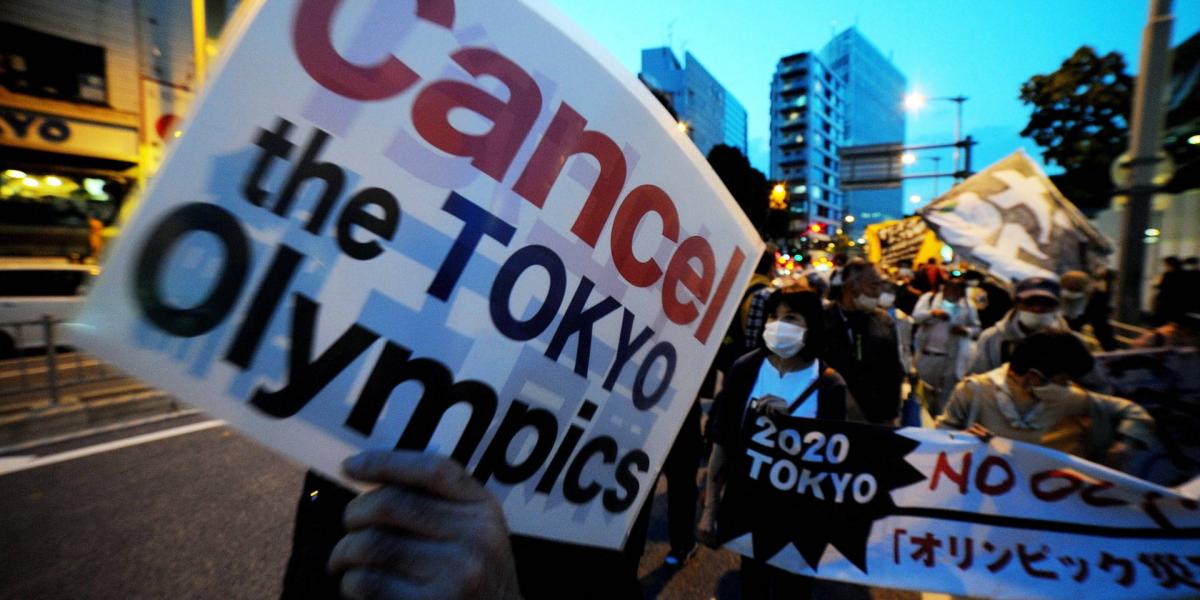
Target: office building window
[48,66]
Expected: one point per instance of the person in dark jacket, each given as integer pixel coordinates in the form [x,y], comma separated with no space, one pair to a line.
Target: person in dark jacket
[862,344]
[783,378]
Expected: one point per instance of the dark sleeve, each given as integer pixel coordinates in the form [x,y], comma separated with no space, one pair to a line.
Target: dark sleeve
[318,529]
[831,397]
[729,406]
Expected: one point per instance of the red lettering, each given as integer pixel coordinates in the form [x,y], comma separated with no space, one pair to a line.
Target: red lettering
[313,43]
[1091,498]
[491,152]
[1073,480]
[641,201]
[943,468]
[723,288]
[680,271]
[985,469]
[564,138]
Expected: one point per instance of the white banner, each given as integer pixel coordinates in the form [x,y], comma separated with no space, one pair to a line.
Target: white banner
[945,512]
[1011,219]
[465,229]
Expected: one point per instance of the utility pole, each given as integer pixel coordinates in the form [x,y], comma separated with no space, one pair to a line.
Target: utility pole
[1145,135]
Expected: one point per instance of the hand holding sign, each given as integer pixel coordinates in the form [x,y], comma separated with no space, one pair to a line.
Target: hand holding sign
[430,531]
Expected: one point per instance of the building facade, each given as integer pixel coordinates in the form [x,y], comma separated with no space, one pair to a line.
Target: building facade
[873,90]
[91,92]
[712,115]
[807,128]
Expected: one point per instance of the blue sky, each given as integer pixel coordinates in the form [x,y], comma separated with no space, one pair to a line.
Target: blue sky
[983,49]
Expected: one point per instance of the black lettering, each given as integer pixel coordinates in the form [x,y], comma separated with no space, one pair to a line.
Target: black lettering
[606,447]
[54,130]
[627,480]
[202,318]
[19,122]
[272,289]
[574,432]
[494,461]
[355,215]
[305,376]
[330,175]
[274,144]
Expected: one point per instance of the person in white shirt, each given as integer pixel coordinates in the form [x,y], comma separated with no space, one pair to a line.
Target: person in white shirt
[947,321]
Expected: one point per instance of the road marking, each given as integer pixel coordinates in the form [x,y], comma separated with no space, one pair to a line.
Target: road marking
[13,464]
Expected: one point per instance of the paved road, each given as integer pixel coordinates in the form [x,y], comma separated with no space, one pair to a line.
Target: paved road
[204,514]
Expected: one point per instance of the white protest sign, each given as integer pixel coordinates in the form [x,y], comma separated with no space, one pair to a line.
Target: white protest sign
[454,225]
[945,512]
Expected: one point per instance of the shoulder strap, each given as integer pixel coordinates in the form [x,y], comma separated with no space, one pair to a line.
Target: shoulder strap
[808,392]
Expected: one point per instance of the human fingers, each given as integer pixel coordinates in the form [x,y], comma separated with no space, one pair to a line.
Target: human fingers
[373,584]
[387,551]
[407,510]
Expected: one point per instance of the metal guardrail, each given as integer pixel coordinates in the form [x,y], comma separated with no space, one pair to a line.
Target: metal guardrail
[47,373]
[1126,334]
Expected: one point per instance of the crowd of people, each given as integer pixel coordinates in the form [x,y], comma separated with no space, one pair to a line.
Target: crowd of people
[950,347]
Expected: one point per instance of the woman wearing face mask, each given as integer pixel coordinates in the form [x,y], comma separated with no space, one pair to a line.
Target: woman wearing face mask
[1034,399]
[783,378]
[947,321]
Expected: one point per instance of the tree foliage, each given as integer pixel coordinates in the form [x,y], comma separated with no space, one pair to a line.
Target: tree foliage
[748,185]
[1080,119]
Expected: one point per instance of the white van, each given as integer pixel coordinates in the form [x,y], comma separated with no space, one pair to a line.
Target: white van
[31,290]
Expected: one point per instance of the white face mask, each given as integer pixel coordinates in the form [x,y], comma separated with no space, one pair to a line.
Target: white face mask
[784,339]
[1037,321]
[1071,295]
[865,302]
[886,300]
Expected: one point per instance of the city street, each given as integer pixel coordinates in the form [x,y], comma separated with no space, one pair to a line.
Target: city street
[198,511]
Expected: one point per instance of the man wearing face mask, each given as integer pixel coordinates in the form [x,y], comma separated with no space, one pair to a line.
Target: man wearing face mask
[1037,309]
[947,321]
[1034,399]
[863,345]
[784,378]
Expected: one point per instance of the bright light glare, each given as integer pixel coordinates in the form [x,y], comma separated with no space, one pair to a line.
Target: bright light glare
[908,158]
[915,199]
[1194,140]
[30,182]
[53,181]
[682,126]
[1152,232]
[15,174]
[914,101]
[849,218]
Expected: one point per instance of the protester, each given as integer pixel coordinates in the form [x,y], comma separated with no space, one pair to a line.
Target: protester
[906,294]
[1183,332]
[836,276]
[784,378]
[992,301]
[947,321]
[1081,308]
[1171,291]
[1099,306]
[910,409]
[1034,399]
[1037,309]
[431,531]
[862,343]
[931,276]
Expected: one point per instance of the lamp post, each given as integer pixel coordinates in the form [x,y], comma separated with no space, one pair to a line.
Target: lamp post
[916,101]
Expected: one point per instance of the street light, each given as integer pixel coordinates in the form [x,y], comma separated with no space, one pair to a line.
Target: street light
[916,101]
[915,199]
[849,218]
[682,126]
[908,158]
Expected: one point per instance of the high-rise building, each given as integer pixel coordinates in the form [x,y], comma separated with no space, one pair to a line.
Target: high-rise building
[873,90]
[712,115]
[807,123]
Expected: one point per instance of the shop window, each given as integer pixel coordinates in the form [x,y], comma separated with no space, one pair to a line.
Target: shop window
[48,66]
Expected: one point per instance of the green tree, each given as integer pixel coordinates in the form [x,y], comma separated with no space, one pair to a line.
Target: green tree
[1080,119]
[748,185]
